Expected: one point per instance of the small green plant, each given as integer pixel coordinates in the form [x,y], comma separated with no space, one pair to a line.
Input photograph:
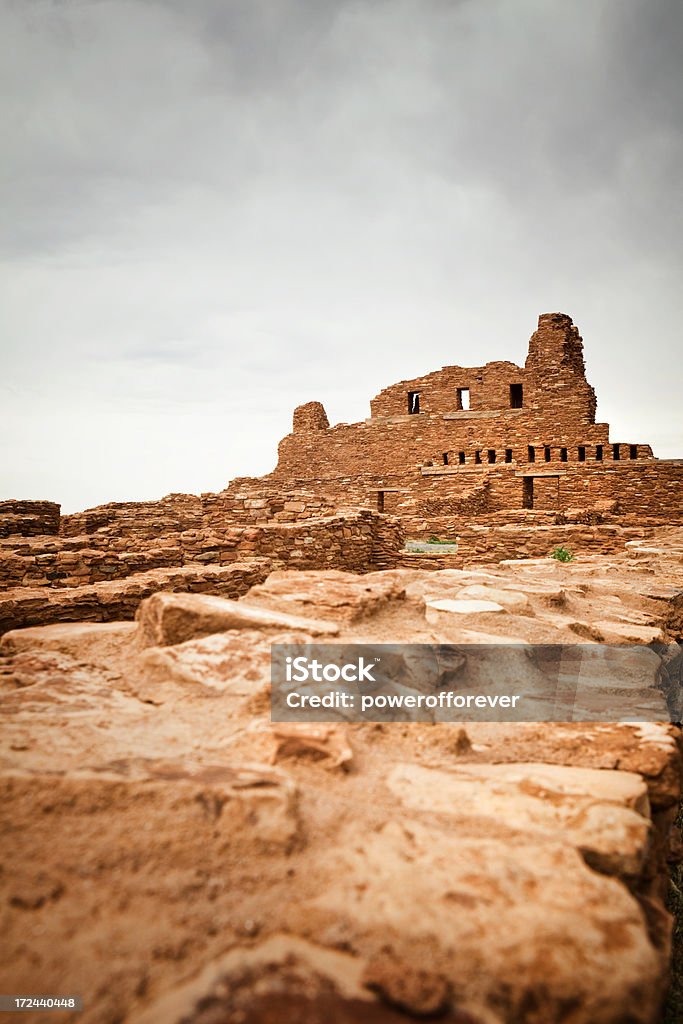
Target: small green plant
[562,554]
[437,540]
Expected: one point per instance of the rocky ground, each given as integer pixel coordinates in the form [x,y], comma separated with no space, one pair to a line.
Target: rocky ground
[173,856]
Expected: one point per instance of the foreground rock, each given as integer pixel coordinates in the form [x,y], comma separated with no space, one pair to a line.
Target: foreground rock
[174,856]
[166,619]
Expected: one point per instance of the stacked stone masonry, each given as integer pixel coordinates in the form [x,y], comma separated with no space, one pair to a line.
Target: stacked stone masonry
[470,441]
[356,542]
[28,518]
[508,460]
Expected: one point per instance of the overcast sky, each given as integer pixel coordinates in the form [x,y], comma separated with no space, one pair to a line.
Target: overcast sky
[214,210]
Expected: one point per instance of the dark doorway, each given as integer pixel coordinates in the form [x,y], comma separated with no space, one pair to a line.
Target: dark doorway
[380,501]
[461,458]
[528,492]
[445,458]
[531,453]
[508,454]
[516,396]
[598,453]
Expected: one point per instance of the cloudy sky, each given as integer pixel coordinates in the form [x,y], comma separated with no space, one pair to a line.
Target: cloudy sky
[214,210]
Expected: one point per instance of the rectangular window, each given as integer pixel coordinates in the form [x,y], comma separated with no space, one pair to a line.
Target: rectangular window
[563,454]
[516,396]
[461,458]
[463,398]
[633,451]
[477,456]
[582,453]
[508,454]
[616,452]
[380,501]
[598,453]
[445,458]
[413,402]
[492,455]
[546,453]
[531,453]
[528,492]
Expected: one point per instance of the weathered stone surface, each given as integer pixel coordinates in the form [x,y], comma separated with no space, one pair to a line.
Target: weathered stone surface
[605,815]
[189,825]
[175,856]
[335,595]
[513,600]
[165,619]
[491,912]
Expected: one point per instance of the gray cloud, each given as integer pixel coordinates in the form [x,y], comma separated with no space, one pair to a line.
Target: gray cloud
[215,210]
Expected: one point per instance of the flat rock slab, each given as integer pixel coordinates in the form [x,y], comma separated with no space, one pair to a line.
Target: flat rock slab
[605,815]
[341,596]
[487,916]
[629,632]
[167,619]
[458,606]
[68,637]
[513,600]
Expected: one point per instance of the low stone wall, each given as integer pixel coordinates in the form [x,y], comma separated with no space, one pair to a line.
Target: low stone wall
[357,542]
[138,519]
[29,518]
[494,543]
[117,600]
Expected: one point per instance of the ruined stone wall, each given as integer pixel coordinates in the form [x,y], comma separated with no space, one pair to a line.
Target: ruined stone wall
[448,497]
[115,600]
[533,419]
[358,542]
[141,519]
[28,518]
[480,544]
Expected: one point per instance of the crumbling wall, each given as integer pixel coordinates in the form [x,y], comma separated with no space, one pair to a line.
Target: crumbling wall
[116,600]
[540,417]
[358,542]
[141,519]
[28,518]
[479,544]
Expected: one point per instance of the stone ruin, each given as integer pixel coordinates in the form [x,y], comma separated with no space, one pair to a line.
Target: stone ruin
[489,441]
[174,856]
[508,460]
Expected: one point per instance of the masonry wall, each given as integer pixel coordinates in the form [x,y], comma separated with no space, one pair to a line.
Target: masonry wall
[28,518]
[356,542]
[116,600]
[534,419]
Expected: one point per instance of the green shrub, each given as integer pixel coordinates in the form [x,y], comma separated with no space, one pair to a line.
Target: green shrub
[562,554]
